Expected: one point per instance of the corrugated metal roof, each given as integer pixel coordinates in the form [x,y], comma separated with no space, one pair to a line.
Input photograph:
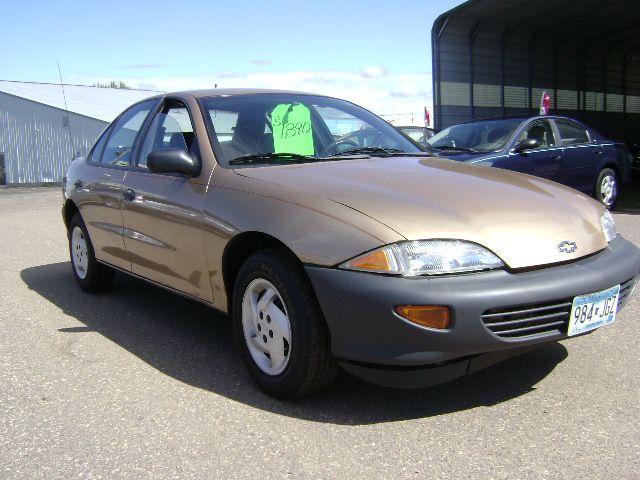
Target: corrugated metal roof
[496,57]
[101,103]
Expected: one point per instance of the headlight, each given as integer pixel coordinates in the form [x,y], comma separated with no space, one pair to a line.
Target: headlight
[608,226]
[426,257]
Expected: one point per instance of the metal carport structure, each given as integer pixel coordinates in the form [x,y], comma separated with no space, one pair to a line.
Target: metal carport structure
[496,57]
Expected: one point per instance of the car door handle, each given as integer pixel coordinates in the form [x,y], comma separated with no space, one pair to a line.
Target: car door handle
[556,157]
[129,195]
[598,152]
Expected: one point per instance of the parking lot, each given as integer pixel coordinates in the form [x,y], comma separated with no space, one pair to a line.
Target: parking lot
[140,383]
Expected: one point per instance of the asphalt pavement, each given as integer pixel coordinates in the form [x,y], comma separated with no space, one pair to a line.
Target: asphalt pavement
[140,383]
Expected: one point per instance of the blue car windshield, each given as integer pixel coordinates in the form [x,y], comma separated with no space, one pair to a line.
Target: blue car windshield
[481,136]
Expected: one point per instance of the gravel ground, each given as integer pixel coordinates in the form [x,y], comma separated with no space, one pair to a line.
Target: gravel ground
[139,383]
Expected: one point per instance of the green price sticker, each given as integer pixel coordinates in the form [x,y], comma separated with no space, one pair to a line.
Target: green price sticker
[292,133]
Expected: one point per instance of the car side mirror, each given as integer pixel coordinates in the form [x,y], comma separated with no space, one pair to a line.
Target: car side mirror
[173,160]
[526,144]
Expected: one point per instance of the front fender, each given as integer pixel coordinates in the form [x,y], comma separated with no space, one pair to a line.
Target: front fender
[317,230]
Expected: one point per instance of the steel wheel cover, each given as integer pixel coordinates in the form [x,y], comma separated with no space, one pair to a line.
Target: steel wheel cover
[79,253]
[266,326]
[608,190]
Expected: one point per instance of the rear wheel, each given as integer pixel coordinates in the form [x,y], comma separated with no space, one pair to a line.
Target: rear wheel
[91,275]
[607,188]
[279,327]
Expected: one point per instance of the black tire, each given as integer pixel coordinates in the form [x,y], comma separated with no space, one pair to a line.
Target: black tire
[607,188]
[97,277]
[310,366]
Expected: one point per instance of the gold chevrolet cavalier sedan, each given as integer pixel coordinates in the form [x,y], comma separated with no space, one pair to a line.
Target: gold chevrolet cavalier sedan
[364,253]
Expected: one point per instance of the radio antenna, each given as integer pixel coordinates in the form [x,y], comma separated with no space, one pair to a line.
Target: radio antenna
[66,109]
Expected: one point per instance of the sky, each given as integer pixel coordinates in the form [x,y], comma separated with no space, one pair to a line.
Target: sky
[374,53]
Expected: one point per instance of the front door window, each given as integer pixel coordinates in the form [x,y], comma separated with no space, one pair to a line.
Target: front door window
[171,128]
[541,131]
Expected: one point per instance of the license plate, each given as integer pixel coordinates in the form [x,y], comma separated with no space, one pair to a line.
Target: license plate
[593,310]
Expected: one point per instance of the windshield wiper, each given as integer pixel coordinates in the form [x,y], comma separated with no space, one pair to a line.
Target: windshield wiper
[271,158]
[377,151]
[369,151]
[455,149]
[354,153]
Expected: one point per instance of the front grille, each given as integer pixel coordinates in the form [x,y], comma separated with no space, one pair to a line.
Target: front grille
[528,320]
[535,320]
[625,291]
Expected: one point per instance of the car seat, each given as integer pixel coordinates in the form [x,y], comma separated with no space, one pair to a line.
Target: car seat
[538,133]
[177,141]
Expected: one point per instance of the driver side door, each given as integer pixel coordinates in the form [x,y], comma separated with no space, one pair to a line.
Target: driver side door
[162,212]
[545,161]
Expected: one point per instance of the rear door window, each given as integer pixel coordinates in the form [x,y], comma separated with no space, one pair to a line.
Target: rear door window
[121,139]
[571,133]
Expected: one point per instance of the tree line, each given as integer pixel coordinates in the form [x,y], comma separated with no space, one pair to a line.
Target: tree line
[112,84]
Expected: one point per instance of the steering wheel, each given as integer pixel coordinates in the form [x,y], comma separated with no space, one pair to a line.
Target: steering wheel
[335,147]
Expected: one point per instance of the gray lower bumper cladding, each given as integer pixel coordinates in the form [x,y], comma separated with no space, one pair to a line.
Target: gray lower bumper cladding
[374,343]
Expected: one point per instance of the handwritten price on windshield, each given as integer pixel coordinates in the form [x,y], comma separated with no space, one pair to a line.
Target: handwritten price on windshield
[290,129]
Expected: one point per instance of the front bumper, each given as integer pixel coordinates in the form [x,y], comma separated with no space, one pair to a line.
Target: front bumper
[372,342]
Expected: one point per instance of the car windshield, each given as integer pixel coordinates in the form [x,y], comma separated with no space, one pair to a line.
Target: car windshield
[482,136]
[274,128]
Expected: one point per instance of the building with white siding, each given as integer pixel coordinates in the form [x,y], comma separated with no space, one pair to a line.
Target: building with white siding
[43,126]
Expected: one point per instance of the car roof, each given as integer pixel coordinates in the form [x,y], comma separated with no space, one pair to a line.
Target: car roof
[517,117]
[214,92]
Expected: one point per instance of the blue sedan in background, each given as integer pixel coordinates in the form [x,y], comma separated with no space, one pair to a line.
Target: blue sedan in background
[553,147]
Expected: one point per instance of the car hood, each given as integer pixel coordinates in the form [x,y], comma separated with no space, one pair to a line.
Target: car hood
[521,218]
[464,156]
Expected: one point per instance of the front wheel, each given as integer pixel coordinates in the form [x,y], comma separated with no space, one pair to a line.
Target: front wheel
[279,327]
[607,188]
[91,275]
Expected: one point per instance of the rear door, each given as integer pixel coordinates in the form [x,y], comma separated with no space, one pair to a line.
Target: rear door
[162,213]
[99,192]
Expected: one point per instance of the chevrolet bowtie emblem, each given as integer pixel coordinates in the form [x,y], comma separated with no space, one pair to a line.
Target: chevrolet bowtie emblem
[567,247]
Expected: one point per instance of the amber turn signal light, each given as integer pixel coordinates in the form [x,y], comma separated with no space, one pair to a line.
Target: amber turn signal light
[376,261]
[425,315]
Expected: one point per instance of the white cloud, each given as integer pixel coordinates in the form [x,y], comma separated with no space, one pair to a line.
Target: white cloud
[408,89]
[399,97]
[373,71]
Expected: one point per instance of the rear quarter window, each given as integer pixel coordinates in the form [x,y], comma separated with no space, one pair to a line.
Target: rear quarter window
[98,148]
